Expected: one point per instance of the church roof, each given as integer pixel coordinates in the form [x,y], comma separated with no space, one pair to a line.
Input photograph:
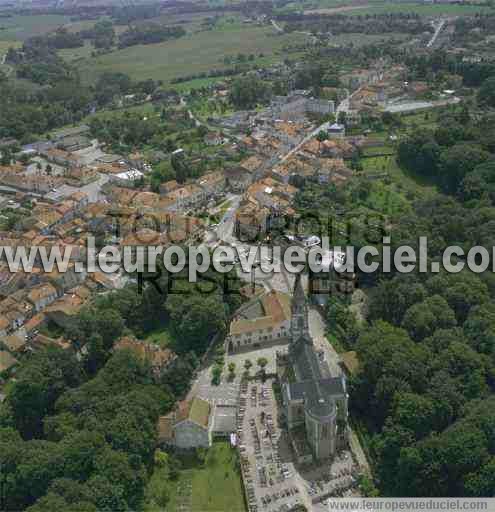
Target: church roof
[333,387]
[305,360]
[299,296]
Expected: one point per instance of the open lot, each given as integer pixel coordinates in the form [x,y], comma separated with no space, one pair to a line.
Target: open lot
[194,53]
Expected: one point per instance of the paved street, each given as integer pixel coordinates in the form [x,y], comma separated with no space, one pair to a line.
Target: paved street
[93,190]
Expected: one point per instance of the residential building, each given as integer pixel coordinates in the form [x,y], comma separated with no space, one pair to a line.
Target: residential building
[263,320]
[42,295]
[213,183]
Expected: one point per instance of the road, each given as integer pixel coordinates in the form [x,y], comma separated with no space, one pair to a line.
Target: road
[6,69]
[343,106]
[438,29]
[277,27]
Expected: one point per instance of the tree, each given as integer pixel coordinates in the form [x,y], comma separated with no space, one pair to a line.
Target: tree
[421,320]
[231,368]
[195,319]
[321,136]
[262,362]
[216,374]
[486,94]
[48,170]
[393,297]
[39,384]
[458,161]
[247,91]
[391,362]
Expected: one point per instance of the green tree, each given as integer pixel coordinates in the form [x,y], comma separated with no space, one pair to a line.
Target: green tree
[421,320]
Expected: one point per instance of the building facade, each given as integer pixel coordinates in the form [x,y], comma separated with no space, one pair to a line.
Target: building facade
[315,403]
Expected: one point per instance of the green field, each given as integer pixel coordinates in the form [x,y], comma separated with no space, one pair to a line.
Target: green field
[419,8]
[19,28]
[379,7]
[194,53]
[5,45]
[73,54]
[214,486]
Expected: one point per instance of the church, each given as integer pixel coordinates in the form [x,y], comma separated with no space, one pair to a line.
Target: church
[315,403]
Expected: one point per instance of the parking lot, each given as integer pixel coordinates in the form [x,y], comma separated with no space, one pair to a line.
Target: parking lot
[226,393]
[271,485]
[273,482]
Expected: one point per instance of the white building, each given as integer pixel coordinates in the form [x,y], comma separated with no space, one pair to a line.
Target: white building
[127,178]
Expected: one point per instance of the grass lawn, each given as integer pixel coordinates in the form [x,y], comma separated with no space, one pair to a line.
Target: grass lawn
[160,336]
[194,53]
[213,487]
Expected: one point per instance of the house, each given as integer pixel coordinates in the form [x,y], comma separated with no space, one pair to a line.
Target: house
[251,221]
[213,139]
[16,310]
[263,320]
[42,295]
[213,183]
[168,186]
[336,130]
[64,310]
[255,166]
[136,160]
[332,170]
[127,178]
[238,178]
[188,426]
[158,358]
[189,196]
[60,135]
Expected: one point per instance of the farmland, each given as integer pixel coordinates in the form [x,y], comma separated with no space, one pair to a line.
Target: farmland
[195,53]
[19,28]
[362,8]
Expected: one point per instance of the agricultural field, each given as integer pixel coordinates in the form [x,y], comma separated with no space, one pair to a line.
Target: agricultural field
[370,8]
[19,28]
[5,45]
[365,39]
[194,53]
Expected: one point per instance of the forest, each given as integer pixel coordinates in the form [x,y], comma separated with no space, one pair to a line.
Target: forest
[79,434]
[424,397]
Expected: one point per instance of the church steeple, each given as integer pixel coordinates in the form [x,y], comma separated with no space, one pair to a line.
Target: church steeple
[299,318]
